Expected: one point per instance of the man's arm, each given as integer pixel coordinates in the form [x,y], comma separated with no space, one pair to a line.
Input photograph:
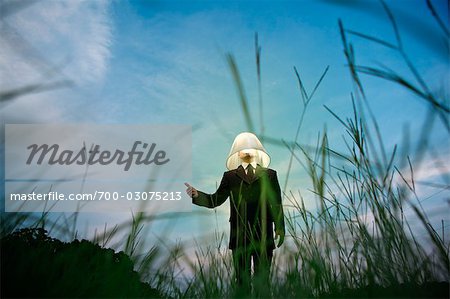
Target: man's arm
[277,208]
[210,200]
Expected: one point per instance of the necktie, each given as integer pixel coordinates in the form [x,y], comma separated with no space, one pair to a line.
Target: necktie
[250,173]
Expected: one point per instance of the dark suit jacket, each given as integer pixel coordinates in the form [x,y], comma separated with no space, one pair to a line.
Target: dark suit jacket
[255,207]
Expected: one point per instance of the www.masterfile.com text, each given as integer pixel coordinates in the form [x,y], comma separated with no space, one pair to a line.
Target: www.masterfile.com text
[97,195]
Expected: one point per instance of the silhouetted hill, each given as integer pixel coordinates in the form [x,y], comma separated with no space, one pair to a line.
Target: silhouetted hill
[35,265]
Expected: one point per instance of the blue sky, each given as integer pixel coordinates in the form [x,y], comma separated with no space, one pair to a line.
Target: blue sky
[164,62]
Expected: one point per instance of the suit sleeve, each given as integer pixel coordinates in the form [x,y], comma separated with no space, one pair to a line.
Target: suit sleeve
[276,204]
[215,199]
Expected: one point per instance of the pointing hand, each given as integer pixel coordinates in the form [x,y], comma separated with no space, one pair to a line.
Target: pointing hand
[191,191]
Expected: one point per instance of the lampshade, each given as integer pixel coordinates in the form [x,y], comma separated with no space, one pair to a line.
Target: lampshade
[247,141]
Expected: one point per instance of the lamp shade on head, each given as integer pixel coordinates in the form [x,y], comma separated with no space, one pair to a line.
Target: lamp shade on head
[247,142]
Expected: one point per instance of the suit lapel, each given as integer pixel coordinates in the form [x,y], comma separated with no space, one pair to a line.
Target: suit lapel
[258,171]
[240,171]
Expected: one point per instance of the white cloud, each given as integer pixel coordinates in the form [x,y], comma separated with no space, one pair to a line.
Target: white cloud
[76,34]
[53,41]
[432,170]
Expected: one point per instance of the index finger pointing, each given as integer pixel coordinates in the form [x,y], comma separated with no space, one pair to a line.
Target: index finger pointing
[187,185]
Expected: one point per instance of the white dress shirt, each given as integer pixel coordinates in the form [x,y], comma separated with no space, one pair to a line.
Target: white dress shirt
[245,164]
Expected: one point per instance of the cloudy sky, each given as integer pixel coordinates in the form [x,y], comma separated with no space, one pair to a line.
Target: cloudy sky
[164,62]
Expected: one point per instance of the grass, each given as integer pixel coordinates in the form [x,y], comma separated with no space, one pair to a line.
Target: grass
[360,238]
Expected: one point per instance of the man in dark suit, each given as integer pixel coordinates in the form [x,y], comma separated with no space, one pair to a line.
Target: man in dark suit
[256,211]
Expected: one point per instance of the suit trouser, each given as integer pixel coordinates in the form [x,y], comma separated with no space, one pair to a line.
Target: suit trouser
[261,267]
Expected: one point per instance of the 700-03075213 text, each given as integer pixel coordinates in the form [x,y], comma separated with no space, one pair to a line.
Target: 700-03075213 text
[97,195]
